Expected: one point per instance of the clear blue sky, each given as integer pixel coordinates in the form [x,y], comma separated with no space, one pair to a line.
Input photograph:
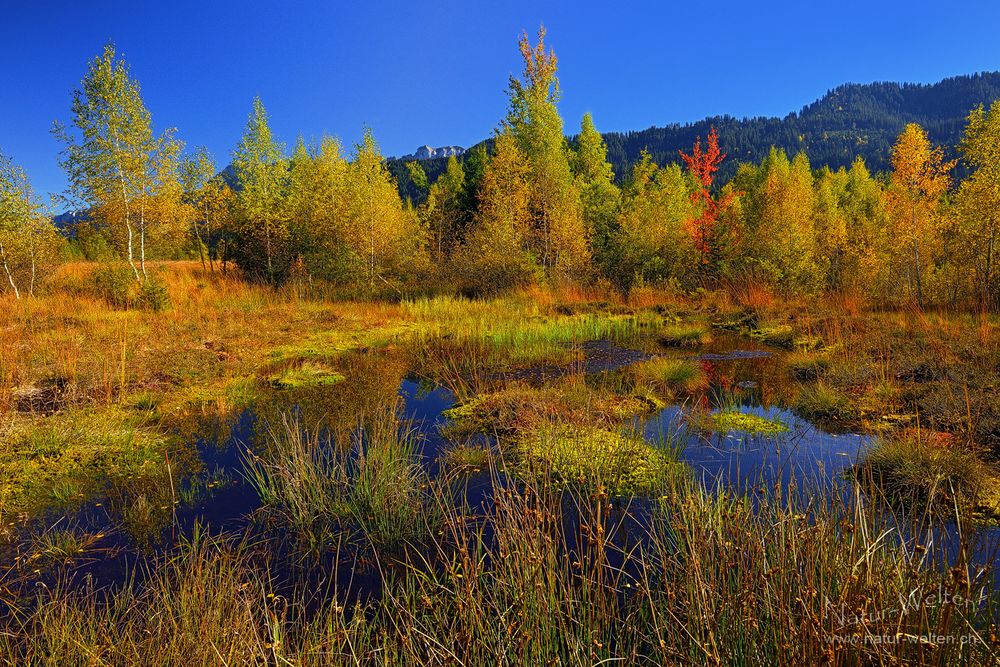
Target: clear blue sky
[435,72]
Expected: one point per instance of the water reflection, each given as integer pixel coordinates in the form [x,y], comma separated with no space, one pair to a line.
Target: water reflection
[204,484]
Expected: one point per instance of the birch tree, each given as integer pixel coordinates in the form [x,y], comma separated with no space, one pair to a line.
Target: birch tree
[208,199]
[116,167]
[27,237]
[920,177]
[560,236]
[262,173]
[380,229]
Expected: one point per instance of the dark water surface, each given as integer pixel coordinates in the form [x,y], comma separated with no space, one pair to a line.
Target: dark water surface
[807,459]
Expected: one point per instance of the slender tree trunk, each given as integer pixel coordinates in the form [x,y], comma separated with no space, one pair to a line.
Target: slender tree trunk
[371,236]
[125,205]
[197,238]
[197,235]
[201,252]
[267,247]
[142,238]
[10,277]
[131,258]
[31,284]
[988,282]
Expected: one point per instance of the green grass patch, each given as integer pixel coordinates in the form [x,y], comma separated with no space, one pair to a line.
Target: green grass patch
[594,457]
[728,421]
[309,374]
[61,459]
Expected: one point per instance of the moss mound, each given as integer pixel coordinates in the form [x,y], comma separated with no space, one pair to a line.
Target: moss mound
[309,374]
[594,457]
[728,421]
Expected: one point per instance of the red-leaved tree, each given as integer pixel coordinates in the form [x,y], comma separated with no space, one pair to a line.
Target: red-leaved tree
[702,164]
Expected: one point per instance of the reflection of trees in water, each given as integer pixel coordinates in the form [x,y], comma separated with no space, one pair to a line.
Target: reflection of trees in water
[371,386]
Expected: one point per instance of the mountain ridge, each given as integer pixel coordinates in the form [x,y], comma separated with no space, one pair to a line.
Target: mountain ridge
[852,119]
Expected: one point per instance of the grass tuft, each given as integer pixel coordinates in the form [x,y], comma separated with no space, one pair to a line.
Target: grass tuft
[686,334]
[931,472]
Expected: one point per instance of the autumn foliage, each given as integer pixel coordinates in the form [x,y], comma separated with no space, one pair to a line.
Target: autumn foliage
[702,165]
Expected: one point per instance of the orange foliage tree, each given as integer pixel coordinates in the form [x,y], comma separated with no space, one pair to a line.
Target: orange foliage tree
[702,165]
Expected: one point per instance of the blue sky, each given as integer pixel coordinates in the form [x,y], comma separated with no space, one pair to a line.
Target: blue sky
[436,72]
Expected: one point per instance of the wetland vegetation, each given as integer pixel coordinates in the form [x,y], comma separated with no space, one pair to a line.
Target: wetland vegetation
[461,493]
[535,418]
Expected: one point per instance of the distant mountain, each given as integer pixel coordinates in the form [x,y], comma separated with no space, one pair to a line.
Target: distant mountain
[850,120]
[428,153]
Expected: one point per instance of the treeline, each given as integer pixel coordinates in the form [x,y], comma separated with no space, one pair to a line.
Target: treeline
[533,208]
[852,120]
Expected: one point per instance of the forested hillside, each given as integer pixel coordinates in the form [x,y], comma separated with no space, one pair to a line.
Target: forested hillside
[850,120]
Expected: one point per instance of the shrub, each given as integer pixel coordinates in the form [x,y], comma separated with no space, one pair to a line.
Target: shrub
[153,295]
[115,283]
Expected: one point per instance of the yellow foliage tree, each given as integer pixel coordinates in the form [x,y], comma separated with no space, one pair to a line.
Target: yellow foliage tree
[920,176]
[495,254]
[978,199]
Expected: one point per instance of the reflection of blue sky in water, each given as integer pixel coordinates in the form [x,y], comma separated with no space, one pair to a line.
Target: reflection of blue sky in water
[806,454]
[808,459]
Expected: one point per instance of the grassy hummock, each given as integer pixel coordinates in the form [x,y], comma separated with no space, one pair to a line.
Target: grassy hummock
[728,421]
[595,457]
[780,335]
[821,402]
[807,366]
[622,407]
[505,411]
[309,374]
[931,472]
[685,334]
[673,375]
[518,408]
[467,458]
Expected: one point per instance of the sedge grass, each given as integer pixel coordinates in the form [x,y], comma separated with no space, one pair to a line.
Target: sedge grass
[718,579]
